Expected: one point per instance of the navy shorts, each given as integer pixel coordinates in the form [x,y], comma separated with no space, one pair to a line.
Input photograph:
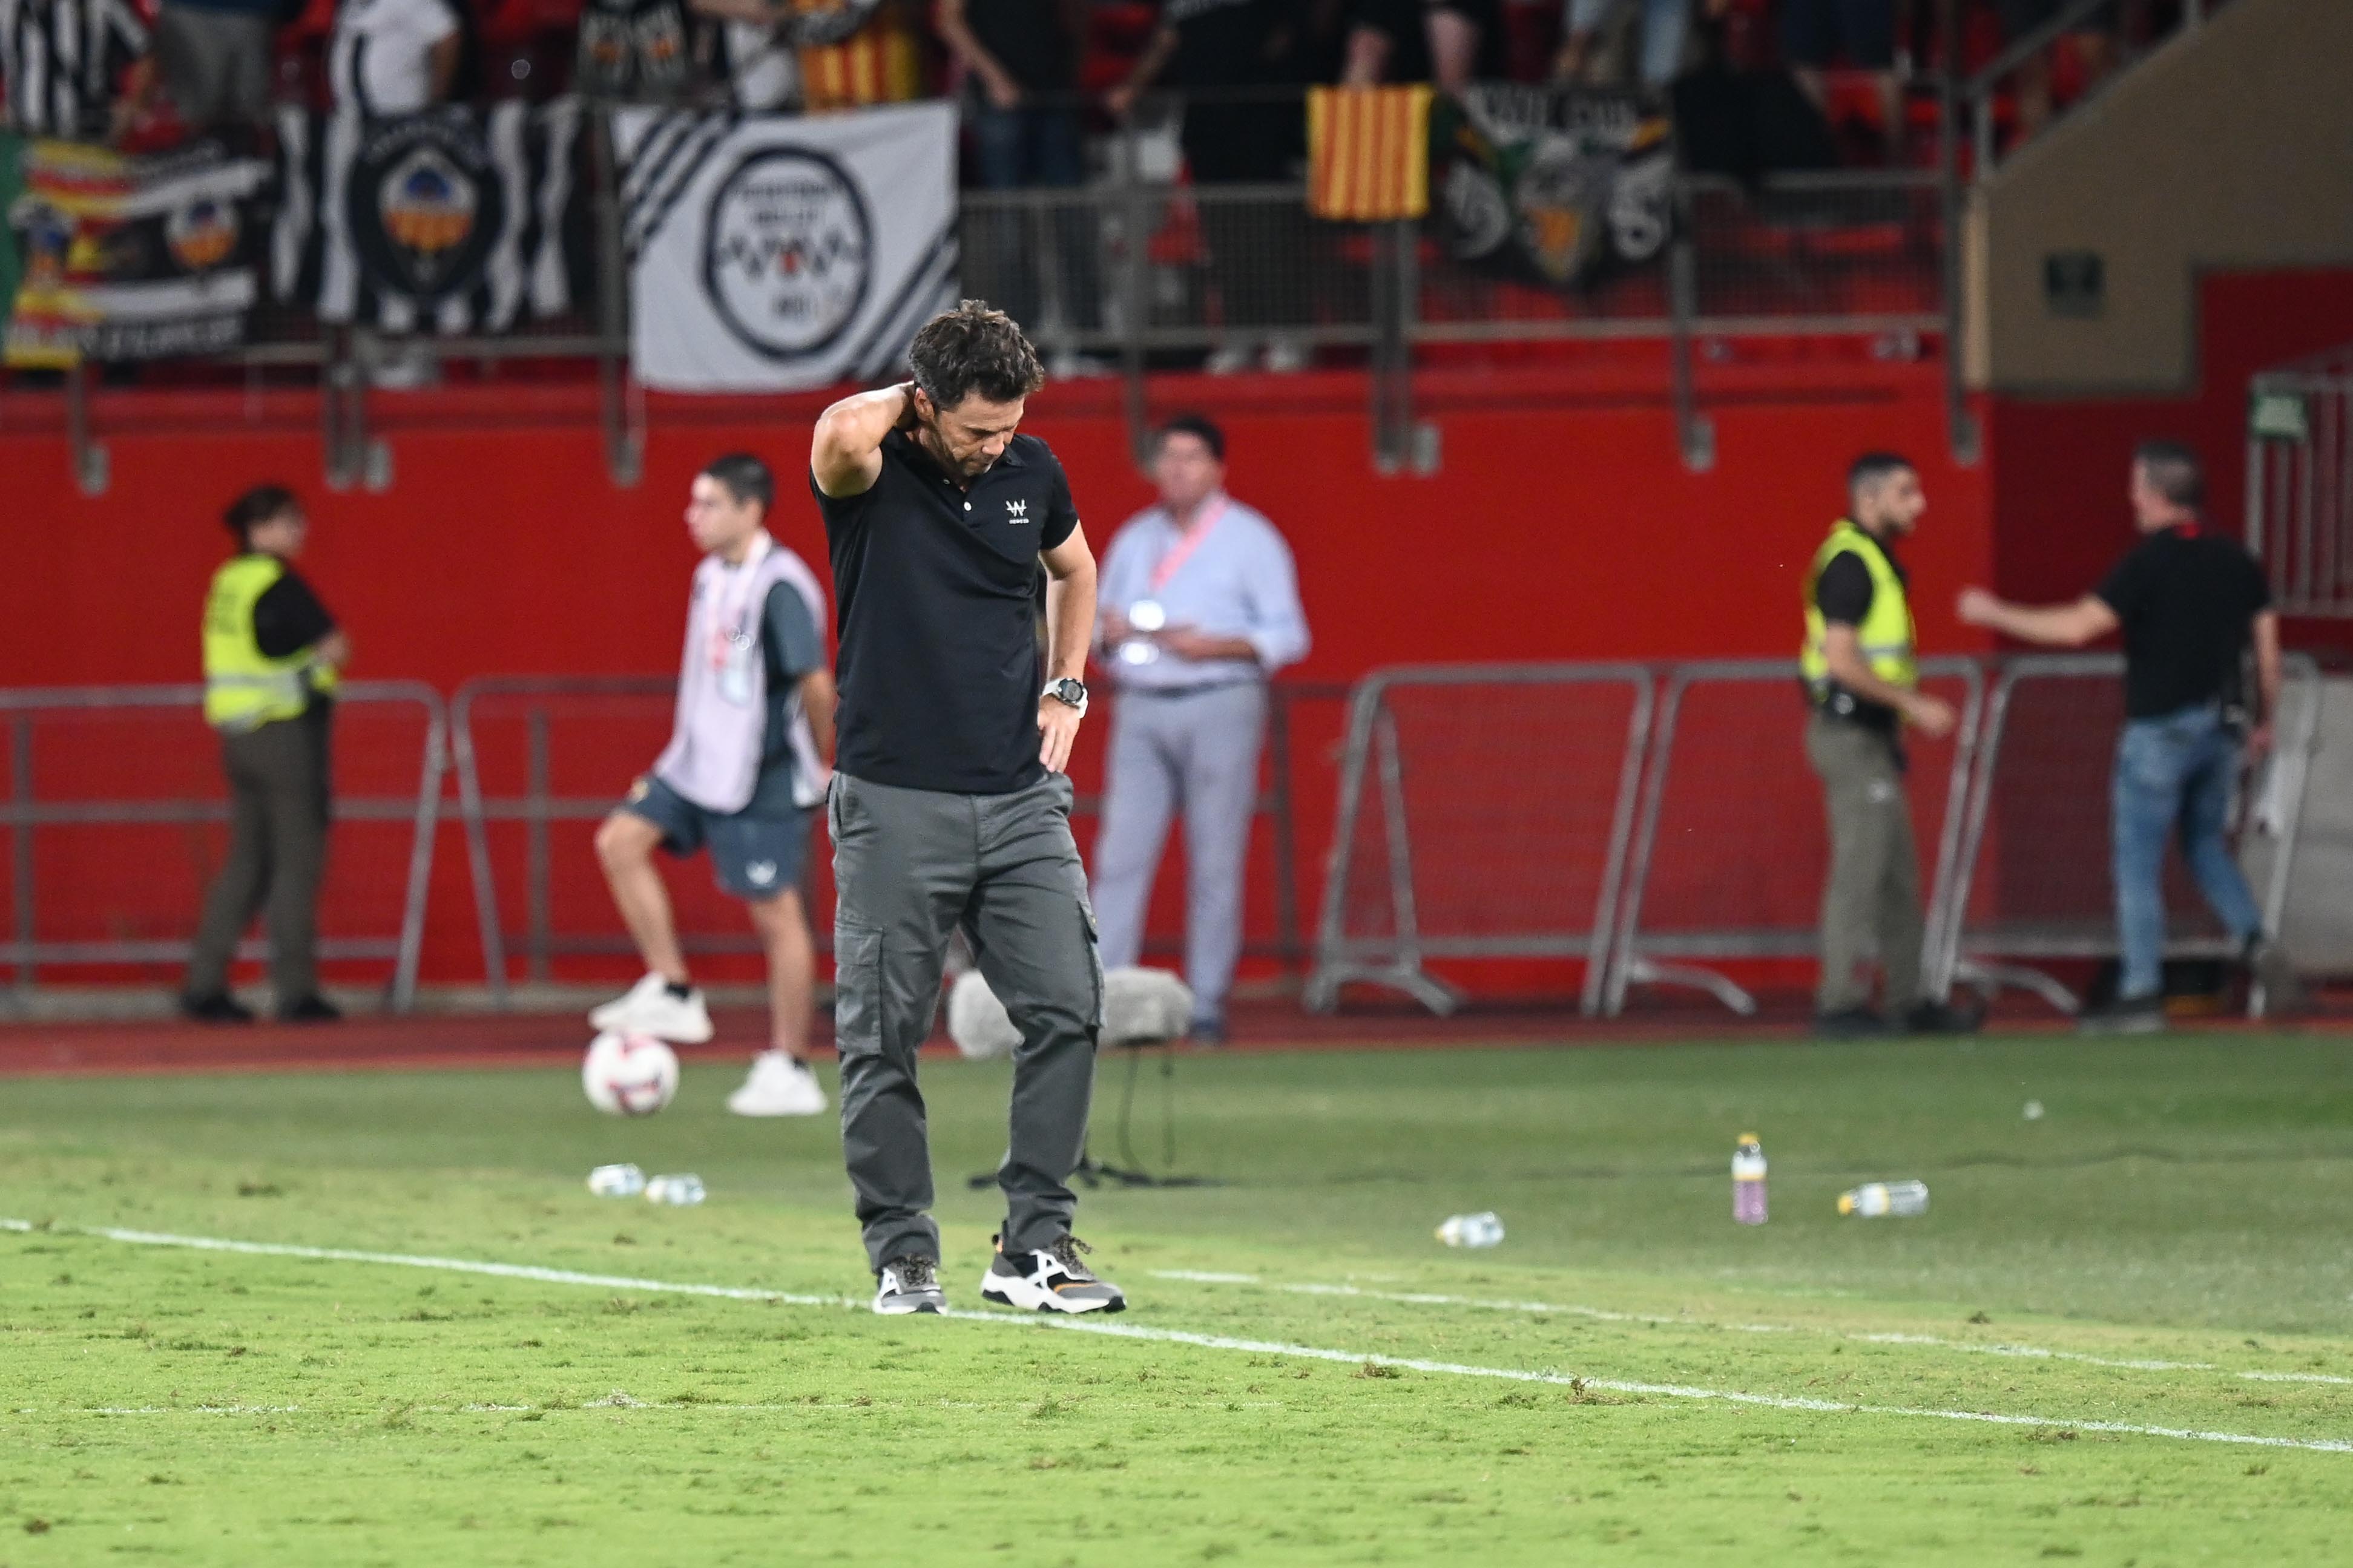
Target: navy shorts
[754,858]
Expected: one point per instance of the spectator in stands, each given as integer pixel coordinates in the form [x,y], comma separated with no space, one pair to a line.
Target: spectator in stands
[273,656]
[1022,60]
[1862,679]
[2190,603]
[1448,43]
[751,48]
[393,57]
[1198,606]
[1664,24]
[744,765]
[1815,33]
[1242,125]
[639,50]
[215,57]
[70,69]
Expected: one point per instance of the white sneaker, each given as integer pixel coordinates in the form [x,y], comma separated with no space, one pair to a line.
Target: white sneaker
[778,1086]
[1231,357]
[1055,1280]
[649,1008]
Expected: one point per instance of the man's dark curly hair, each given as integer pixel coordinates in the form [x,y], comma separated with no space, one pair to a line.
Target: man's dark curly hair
[973,349]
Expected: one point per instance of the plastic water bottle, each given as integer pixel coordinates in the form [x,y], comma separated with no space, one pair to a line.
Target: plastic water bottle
[1880,1200]
[1748,1181]
[1471,1231]
[616,1181]
[684,1188]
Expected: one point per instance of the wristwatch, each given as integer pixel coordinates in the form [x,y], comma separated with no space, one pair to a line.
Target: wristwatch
[1068,689]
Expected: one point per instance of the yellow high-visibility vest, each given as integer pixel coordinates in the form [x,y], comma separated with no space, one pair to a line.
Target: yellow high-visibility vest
[244,687]
[1885,637]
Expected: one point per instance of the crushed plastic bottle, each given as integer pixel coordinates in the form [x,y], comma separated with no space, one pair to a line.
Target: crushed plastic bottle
[1748,1181]
[1881,1200]
[682,1188]
[1472,1229]
[616,1181]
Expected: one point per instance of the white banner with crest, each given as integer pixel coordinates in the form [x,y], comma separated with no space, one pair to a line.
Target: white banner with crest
[772,253]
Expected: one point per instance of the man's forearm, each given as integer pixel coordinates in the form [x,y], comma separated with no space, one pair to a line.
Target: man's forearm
[1854,676]
[1070,622]
[2053,625]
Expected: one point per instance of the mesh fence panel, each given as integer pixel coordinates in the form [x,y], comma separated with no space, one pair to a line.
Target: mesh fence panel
[1483,814]
[1735,843]
[1821,247]
[2036,880]
[119,822]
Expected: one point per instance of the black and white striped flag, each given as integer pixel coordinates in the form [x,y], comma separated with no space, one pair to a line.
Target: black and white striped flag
[453,220]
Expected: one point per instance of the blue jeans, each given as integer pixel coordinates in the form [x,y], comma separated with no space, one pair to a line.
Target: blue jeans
[2174,772]
[1029,148]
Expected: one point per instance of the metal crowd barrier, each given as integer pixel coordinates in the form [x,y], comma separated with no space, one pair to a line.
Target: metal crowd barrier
[1454,846]
[1757,894]
[1541,834]
[2051,843]
[25,814]
[540,801]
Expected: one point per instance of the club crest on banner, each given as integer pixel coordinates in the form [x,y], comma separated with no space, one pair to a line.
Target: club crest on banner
[788,251]
[202,233]
[426,203]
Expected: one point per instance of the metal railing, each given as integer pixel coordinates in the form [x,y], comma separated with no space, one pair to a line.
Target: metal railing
[1742,903]
[185,793]
[574,764]
[1510,843]
[2130,23]
[2300,483]
[2050,831]
[1536,832]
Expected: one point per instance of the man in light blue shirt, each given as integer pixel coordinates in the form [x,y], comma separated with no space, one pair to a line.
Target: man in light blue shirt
[1198,606]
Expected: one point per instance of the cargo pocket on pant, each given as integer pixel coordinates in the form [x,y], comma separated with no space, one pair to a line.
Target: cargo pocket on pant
[1094,960]
[856,990]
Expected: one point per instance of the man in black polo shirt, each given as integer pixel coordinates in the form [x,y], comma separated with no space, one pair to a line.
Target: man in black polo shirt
[949,806]
[2188,602]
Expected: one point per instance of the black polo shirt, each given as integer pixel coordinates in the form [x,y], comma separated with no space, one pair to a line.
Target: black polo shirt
[936,588]
[2186,599]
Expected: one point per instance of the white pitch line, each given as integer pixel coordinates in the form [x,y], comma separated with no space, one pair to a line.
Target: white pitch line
[1175,1336]
[1598,1314]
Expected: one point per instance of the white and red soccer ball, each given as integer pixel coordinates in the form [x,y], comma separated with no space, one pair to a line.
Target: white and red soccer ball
[629,1075]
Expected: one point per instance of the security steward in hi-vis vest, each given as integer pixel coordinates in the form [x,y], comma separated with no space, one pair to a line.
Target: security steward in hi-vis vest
[272,661]
[1861,677]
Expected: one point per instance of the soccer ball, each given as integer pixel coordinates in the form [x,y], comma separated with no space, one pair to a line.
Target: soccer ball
[629,1075]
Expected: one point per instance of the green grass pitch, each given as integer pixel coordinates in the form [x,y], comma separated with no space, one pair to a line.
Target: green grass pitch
[2149,1285]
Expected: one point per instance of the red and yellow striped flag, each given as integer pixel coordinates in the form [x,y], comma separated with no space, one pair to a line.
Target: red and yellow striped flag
[1368,152]
[881,63]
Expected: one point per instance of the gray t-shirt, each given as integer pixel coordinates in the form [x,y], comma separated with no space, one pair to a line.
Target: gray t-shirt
[791,645]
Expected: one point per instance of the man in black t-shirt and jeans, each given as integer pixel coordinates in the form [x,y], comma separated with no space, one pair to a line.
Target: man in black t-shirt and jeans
[949,806]
[2188,602]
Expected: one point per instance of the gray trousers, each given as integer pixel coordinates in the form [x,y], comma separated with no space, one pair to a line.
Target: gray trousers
[216,65]
[910,866]
[1871,900]
[277,852]
[1199,750]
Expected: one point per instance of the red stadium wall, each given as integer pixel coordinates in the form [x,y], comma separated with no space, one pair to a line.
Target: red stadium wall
[2060,519]
[1562,526]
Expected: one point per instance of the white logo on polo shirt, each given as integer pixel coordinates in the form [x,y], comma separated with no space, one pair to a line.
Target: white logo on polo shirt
[1017,511]
[760,873]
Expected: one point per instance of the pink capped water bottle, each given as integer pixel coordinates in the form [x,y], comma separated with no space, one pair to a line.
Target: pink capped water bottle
[1748,1181]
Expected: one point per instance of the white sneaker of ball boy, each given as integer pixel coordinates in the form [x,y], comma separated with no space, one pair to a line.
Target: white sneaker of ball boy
[738,779]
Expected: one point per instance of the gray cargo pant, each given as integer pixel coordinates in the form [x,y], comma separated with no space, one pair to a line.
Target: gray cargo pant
[910,865]
[1872,899]
[278,785]
[1197,749]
